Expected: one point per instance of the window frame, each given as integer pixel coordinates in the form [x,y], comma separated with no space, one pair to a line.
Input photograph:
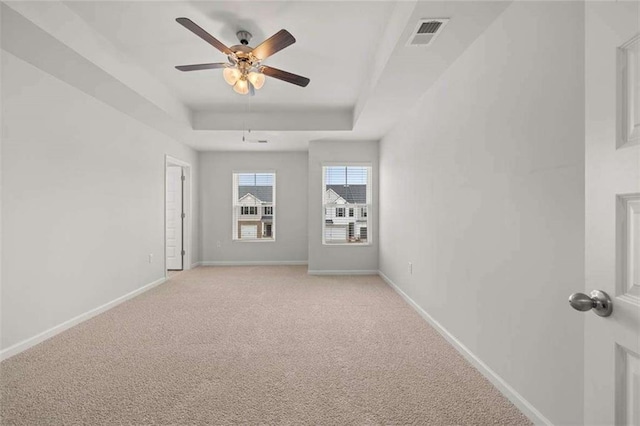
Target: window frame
[368,204]
[234,199]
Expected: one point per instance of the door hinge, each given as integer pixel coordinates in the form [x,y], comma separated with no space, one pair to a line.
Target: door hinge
[183,252]
[183,178]
[183,215]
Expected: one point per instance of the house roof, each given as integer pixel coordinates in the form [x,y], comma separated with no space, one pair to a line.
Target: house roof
[261,192]
[352,194]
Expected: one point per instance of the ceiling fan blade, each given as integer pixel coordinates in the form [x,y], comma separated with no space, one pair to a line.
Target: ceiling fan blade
[273,44]
[285,76]
[194,28]
[199,67]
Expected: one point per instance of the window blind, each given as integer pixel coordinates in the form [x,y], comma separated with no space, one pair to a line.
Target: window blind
[346,204]
[254,205]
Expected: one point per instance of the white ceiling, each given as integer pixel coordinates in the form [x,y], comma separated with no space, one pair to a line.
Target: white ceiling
[363,76]
[335,43]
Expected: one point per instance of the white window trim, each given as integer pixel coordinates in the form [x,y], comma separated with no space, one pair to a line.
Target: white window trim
[369,205]
[234,195]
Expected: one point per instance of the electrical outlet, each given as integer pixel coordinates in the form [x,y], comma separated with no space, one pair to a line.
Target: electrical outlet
[150,258]
[218,244]
[410,268]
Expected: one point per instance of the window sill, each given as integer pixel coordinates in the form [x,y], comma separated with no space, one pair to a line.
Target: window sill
[347,244]
[257,240]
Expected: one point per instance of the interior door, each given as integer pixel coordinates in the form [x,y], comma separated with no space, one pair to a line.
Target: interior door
[612,89]
[174,215]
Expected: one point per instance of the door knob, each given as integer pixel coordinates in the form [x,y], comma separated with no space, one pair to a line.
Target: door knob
[597,300]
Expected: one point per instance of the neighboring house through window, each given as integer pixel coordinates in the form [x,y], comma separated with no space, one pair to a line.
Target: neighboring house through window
[254,196]
[248,210]
[346,203]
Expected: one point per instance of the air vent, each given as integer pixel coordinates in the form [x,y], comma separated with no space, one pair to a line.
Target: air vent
[429,27]
[426,31]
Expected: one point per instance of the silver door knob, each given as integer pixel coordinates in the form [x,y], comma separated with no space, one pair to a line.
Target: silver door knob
[597,300]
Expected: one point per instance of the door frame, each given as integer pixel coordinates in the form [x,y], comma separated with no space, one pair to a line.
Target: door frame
[187,223]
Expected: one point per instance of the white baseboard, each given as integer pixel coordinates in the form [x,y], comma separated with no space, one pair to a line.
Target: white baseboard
[32,341]
[343,272]
[195,265]
[252,262]
[511,394]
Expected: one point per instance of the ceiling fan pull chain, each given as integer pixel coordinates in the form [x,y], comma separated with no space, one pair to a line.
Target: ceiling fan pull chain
[249,107]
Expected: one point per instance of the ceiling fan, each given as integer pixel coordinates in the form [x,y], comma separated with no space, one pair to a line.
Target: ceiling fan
[245,71]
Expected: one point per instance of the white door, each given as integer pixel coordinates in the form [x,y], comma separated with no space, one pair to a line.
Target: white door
[612,96]
[249,231]
[174,218]
[335,234]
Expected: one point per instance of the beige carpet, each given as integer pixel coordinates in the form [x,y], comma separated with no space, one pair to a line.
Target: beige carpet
[266,345]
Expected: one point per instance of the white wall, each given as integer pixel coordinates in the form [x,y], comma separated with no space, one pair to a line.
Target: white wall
[493,156]
[82,202]
[340,258]
[216,170]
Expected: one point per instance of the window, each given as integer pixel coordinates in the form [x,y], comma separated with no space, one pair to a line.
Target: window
[248,210]
[254,201]
[346,203]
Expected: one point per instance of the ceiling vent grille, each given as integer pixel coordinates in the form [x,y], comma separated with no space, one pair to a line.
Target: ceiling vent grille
[426,31]
[429,27]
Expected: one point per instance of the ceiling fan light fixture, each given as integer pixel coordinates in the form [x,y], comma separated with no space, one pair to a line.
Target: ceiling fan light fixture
[241,86]
[245,72]
[231,75]
[257,79]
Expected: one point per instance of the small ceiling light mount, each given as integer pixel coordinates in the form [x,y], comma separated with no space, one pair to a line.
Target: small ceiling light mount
[244,37]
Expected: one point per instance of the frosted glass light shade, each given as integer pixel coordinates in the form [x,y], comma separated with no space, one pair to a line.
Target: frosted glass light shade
[231,75]
[241,87]
[257,79]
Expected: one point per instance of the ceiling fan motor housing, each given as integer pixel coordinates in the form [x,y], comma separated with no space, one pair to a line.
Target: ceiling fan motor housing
[242,57]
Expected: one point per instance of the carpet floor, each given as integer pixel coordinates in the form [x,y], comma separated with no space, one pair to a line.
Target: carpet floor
[252,345]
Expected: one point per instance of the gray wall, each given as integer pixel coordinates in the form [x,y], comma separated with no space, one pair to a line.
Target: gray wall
[340,258]
[82,201]
[492,164]
[216,169]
